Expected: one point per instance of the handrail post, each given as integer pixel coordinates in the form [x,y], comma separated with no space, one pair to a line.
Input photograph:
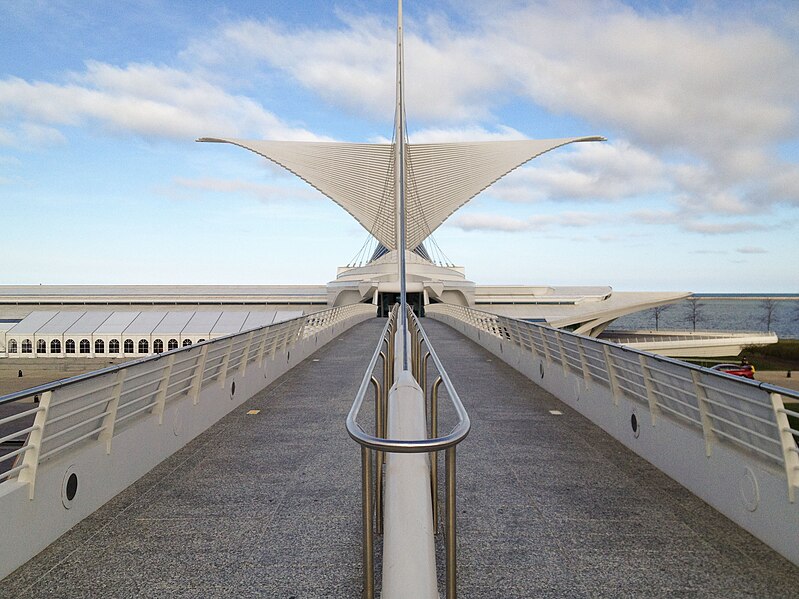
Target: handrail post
[30,461]
[707,425]
[451,540]
[615,391]
[111,412]
[386,387]
[654,409]
[434,454]
[564,358]
[368,535]
[246,354]
[788,443]
[583,360]
[160,398]
[225,361]
[423,382]
[380,457]
[197,383]
[262,349]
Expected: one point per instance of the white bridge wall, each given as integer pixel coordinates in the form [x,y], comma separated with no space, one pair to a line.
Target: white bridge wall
[752,492]
[33,517]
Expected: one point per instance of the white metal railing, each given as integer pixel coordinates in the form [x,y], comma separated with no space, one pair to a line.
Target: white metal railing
[372,488]
[749,415]
[96,406]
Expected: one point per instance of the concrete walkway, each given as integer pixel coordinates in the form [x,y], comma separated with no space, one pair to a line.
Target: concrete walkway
[268,505]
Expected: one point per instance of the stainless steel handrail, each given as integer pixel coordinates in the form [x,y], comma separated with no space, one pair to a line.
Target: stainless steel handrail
[434,444]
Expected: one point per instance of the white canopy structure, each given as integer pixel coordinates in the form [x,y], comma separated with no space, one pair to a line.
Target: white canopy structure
[126,333]
[440,178]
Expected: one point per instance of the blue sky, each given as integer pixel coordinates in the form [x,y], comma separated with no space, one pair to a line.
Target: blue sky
[696,189]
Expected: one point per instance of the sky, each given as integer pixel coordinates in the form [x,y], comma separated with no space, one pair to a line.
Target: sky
[695,189]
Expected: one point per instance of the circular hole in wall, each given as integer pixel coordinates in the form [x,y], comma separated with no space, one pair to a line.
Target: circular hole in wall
[541,369]
[232,389]
[750,490]
[69,488]
[634,424]
[288,356]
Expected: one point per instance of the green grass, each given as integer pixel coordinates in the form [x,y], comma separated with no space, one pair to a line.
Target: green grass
[783,355]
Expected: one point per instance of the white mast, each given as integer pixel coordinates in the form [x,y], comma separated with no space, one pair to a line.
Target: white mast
[399,183]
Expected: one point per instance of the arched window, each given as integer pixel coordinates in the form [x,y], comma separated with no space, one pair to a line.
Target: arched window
[99,346]
[41,346]
[173,344]
[158,346]
[55,346]
[27,346]
[144,347]
[70,346]
[113,346]
[128,346]
[85,346]
[12,346]
[186,342]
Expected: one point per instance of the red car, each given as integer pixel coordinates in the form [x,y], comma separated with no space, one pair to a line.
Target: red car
[744,370]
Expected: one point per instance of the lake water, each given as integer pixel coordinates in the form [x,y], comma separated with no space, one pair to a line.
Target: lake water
[722,313]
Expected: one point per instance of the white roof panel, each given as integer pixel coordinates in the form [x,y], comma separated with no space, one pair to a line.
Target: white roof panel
[31,323]
[116,323]
[229,322]
[173,323]
[201,323]
[59,323]
[144,323]
[88,323]
[258,319]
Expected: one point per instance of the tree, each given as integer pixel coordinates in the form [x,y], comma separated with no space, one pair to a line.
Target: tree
[657,311]
[694,311]
[768,305]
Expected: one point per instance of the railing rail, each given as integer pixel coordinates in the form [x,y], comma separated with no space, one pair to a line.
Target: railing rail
[372,494]
[95,406]
[749,415]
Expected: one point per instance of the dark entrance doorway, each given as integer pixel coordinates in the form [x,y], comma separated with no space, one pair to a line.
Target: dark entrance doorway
[386,300]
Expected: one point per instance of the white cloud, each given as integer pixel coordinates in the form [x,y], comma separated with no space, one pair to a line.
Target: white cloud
[41,135]
[606,171]
[468,133]
[456,134]
[751,250]
[354,66]
[782,186]
[667,80]
[719,93]
[696,103]
[493,222]
[721,228]
[154,102]
[6,137]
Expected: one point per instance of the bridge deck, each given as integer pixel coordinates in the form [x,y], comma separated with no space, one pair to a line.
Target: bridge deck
[268,505]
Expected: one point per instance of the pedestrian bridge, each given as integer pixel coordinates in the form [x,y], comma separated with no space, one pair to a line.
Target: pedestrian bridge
[266,502]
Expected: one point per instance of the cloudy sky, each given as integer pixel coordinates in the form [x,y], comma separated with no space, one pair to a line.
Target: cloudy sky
[696,189]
